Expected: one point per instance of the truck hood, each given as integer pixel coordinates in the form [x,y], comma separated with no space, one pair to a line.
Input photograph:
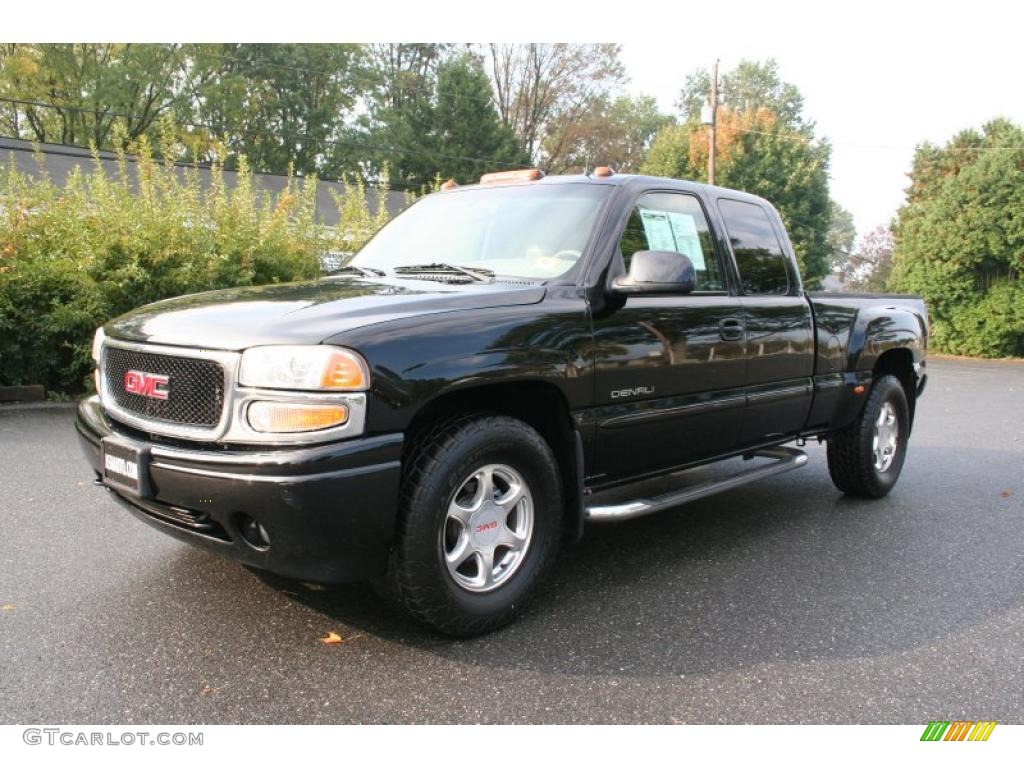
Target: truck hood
[304,313]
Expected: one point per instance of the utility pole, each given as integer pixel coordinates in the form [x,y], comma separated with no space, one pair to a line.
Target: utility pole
[714,123]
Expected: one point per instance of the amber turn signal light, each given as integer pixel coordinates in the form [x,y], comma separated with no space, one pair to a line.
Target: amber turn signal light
[342,371]
[269,416]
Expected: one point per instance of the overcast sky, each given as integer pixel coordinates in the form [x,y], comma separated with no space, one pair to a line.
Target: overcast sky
[876,82]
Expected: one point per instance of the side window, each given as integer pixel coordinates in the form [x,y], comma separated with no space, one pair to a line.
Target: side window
[759,256]
[664,221]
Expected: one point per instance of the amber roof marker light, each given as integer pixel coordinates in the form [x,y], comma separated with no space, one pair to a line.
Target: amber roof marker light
[527,174]
[603,172]
[448,185]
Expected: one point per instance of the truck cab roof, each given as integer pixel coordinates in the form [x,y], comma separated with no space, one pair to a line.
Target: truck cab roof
[622,179]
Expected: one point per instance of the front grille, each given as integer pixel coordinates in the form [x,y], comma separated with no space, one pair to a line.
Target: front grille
[195,387]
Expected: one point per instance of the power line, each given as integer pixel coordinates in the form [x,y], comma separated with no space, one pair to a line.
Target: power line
[315,140]
[806,139]
[254,132]
[486,100]
[824,234]
[424,89]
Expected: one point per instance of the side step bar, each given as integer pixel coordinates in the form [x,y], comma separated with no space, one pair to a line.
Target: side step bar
[785,459]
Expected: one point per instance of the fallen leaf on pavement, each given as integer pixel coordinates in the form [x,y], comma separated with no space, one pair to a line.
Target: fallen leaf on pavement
[8,607]
[333,638]
[208,689]
[1005,494]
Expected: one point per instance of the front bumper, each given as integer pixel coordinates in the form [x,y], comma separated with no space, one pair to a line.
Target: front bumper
[328,511]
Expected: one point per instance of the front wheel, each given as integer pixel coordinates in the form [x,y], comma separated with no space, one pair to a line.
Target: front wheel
[866,458]
[480,523]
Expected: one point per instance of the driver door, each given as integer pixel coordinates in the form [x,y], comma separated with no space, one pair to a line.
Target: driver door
[670,369]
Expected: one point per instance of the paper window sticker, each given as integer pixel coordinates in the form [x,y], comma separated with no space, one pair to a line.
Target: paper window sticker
[658,229]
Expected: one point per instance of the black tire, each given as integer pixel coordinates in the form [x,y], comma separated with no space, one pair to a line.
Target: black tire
[436,469]
[851,458]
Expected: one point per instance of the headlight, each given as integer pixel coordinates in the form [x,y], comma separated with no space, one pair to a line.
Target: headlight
[97,344]
[308,368]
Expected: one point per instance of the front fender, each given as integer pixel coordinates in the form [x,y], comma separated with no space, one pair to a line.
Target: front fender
[422,383]
[415,361]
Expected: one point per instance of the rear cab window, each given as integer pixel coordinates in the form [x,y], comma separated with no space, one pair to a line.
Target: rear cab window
[761,262]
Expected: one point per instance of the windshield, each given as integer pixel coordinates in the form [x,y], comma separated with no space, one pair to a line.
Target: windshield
[524,231]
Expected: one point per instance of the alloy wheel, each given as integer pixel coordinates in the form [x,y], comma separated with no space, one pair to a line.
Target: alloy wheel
[488,528]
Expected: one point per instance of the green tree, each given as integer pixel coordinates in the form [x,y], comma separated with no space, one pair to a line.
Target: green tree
[841,236]
[396,128]
[960,240]
[101,90]
[753,84]
[280,105]
[615,132]
[543,90]
[465,125]
[872,264]
[764,146]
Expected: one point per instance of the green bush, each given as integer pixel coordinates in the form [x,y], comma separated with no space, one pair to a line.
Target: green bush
[991,326]
[74,256]
[960,241]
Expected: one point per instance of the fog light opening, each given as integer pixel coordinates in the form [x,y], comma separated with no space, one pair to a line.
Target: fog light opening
[254,534]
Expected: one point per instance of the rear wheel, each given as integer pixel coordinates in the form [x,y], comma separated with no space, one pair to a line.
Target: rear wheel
[480,523]
[866,458]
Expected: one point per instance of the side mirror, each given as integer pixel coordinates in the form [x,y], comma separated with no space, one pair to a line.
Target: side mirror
[652,272]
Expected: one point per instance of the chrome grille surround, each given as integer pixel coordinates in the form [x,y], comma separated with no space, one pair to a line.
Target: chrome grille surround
[233,426]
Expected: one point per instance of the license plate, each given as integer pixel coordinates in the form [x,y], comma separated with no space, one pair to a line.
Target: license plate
[125,466]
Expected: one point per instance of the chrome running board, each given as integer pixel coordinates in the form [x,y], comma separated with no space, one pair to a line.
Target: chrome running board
[785,459]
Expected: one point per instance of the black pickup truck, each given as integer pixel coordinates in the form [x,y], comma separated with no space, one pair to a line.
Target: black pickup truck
[502,363]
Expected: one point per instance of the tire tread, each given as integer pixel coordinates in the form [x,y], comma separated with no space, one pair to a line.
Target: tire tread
[848,467]
[410,584]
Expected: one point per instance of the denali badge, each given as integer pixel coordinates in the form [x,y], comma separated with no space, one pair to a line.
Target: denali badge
[147,384]
[631,392]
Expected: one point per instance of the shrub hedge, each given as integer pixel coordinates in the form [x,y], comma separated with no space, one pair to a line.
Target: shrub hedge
[74,256]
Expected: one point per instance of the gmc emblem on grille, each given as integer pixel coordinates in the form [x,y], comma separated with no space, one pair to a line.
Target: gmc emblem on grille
[147,384]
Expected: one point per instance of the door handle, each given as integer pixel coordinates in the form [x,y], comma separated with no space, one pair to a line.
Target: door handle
[731,329]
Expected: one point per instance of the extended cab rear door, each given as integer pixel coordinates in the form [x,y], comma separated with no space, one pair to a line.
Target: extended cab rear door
[778,321]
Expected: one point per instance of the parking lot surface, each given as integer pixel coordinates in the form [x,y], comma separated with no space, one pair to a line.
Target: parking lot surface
[781,602]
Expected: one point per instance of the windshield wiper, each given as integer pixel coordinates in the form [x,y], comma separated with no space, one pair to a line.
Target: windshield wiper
[477,274]
[364,271]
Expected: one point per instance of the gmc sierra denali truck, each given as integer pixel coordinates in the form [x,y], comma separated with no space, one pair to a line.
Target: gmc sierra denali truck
[501,364]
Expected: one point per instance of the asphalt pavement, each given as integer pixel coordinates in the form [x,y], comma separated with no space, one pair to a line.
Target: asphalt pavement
[781,602]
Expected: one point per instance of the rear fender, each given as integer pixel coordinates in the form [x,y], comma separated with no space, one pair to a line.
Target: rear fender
[880,329]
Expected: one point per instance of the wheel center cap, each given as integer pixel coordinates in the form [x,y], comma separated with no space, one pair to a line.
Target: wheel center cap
[485,524]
